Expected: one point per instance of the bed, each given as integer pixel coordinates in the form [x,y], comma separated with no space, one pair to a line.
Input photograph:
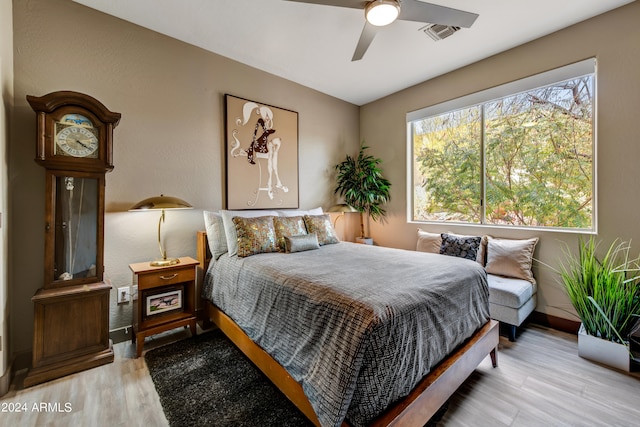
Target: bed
[343,332]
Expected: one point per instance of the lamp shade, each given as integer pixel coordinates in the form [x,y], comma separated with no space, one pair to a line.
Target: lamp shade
[342,207]
[161,202]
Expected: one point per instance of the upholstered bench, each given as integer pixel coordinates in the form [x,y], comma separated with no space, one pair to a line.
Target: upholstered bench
[511,301]
[512,287]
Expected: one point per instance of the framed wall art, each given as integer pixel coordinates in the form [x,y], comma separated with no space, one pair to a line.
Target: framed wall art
[261,155]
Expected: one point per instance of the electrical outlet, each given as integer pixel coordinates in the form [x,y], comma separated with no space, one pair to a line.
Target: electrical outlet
[123,295]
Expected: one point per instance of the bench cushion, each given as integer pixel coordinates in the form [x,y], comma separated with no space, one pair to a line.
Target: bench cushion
[509,292]
[511,300]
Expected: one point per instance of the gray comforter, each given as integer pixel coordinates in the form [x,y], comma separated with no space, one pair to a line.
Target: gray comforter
[357,326]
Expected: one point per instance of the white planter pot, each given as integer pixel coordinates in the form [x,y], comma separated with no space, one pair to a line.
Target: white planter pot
[602,351]
[364,240]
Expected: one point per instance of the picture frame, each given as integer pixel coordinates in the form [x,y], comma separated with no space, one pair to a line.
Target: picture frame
[261,155]
[164,301]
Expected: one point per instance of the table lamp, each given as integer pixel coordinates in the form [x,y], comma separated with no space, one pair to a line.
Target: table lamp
[342,208]
[163,202]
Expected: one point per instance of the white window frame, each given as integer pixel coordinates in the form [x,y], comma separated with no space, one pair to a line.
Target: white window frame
[567,72]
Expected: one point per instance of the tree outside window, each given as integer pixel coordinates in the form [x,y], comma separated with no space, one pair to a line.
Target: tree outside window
[520,160]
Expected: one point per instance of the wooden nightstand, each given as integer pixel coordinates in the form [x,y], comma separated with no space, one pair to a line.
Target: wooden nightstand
[165,299]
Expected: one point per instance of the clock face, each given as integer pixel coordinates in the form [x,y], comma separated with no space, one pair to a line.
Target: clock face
[76,141]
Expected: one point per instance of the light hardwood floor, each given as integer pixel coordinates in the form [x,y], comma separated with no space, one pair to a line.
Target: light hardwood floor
[540,381]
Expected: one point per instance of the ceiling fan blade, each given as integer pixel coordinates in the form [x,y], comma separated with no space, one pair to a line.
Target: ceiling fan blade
[368,33]
[355,4]
[418,11]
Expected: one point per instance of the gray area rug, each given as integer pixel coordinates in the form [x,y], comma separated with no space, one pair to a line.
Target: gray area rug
[206,381]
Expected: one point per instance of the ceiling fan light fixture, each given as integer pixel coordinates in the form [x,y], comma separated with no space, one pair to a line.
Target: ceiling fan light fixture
[381,12]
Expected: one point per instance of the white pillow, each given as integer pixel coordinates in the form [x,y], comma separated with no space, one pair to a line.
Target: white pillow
[428,242]
[215,233]
[230,227]
[511,258]
[300,212]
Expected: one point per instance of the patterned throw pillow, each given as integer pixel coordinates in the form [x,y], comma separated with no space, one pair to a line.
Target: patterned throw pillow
[230,227]
[288,226]
[300,212]
[255,235]
[321,225]
[303,242]
[460,246]
[482,251]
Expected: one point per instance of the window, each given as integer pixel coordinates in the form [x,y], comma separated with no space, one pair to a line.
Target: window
[521,154]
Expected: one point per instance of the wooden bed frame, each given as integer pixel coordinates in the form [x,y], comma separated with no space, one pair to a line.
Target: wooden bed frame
[414,410]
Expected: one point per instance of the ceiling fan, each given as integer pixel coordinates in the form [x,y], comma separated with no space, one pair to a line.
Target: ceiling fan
[379,13]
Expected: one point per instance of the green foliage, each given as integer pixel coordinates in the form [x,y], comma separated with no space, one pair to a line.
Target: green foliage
[449,161]
[361,183]
[605,292]
[536,150]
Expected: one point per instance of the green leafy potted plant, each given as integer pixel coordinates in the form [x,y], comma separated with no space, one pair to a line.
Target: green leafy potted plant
[361,183]
[605,293]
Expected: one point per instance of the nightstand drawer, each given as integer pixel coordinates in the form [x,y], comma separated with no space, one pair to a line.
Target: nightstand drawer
[162,278]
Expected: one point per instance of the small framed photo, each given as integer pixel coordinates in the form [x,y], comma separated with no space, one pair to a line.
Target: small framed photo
[166,301]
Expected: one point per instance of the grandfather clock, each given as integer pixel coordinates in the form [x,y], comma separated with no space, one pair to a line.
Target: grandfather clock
[71,311]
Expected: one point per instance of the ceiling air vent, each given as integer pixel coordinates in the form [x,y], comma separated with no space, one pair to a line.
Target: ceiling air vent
[438,31]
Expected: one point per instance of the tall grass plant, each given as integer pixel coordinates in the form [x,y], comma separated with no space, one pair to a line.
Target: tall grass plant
[605,291]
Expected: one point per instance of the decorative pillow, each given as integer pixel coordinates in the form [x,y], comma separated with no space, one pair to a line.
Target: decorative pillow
[482,250]
[255,235]
[460,246]
[215,233]
[300,212]
[288,226]
[511,258]
[302,242]
[230,227]
[428,242]
[321,225]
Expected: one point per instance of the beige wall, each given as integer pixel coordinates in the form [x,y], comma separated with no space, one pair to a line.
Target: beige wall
[170,139]
[6,106]
[613,39]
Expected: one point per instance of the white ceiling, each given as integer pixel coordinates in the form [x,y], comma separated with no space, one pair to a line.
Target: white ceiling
[313,45]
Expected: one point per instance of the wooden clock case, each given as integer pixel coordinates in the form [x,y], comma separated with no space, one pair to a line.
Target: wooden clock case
[71,309]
